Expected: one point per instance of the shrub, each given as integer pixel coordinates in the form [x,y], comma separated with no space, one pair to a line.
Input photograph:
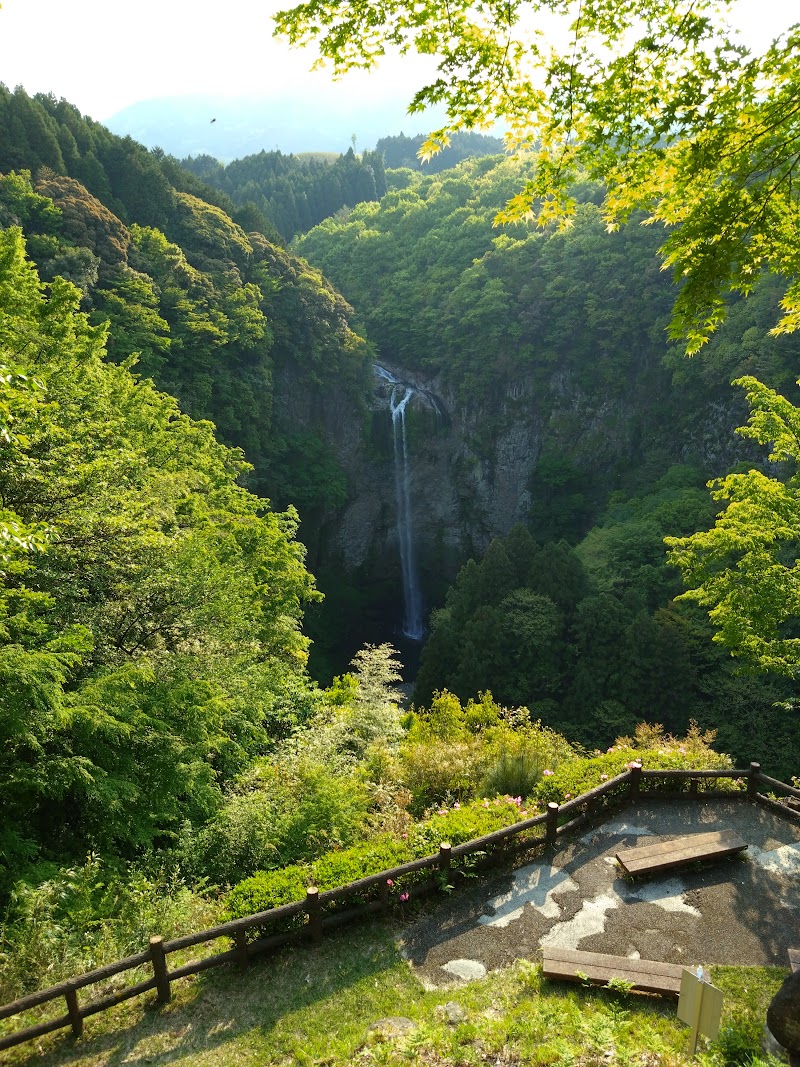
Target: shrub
[238,841]
[443,721]
[380,854]
[464,823]
[296,812]
[662,752]
[513,774]
[582,774]
[436,771]
[481,714]
[373,713]
[269,889]
[521,752]
[324,811]
[456,753]
[88,915]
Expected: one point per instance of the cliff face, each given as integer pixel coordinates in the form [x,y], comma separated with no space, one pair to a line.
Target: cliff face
[477,468]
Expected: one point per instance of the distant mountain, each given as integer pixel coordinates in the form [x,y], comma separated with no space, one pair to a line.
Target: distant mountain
[232,127]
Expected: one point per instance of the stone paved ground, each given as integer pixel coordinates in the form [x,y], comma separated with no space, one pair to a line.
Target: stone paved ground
[743,910]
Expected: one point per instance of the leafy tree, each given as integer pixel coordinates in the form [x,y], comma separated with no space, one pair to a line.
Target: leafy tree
[745,569]
[374,714]
[153,645]
[659,100]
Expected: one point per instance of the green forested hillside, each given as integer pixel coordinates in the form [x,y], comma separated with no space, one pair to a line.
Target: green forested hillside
[441,288]
[571,327]
[162,739]
[294,193]
[150,642]
[402,151]
[215,314]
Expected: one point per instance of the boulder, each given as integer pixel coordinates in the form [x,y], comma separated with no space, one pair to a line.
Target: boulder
[452,1012]
[783,1014]
[392,1026]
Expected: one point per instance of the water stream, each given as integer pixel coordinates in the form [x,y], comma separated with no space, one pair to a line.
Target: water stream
[413,619]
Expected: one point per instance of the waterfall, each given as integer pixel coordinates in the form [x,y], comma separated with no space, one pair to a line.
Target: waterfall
[412,594]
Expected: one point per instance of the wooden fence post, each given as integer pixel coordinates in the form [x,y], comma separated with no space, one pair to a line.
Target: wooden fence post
[635,781]
[445,849]
[552,823]
[314,915]
[159,960]
[752,779]
[73,1010]
[242,955]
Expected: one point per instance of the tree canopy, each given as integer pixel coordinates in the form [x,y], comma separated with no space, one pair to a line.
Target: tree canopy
[150,606]
[662,101]
[746,568]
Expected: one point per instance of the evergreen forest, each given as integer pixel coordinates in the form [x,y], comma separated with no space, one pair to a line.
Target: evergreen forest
[201,583]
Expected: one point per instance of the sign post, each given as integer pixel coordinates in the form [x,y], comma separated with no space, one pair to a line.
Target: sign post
[699,1006]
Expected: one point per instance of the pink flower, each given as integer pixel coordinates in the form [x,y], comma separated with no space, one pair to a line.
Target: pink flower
[568,796]
[389,881]
[404,897]
[603,777]
[485,803]
[547,773]
[456,806]
[524,811]
[404,836]
[682,750]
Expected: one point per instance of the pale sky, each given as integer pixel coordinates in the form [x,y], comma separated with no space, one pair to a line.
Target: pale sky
[102,55]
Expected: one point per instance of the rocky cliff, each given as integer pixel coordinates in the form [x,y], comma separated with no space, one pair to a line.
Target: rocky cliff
[476,468]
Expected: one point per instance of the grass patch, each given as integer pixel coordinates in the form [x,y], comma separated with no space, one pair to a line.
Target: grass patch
[747,992]
[313,1007]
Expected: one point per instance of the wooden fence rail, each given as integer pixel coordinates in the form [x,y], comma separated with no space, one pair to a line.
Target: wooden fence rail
[624,788]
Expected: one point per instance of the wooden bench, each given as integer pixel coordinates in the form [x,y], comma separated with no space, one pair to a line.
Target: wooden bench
[794,959]
[597,968]
[647,859]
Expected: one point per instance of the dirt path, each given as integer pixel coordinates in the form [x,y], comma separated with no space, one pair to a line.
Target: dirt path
[744,910]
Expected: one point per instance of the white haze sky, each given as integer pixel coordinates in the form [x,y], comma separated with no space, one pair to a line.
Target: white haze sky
[102,55]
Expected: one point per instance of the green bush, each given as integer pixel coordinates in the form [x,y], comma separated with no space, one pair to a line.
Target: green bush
[513,774]
[650,746]
[360,861]
[460,824]
[443,721]
[269,889]
[295,813]
[456,753]
[88,915]
[582,774]
[436,771]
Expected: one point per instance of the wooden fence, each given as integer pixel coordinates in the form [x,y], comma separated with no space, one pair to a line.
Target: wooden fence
[627,787]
